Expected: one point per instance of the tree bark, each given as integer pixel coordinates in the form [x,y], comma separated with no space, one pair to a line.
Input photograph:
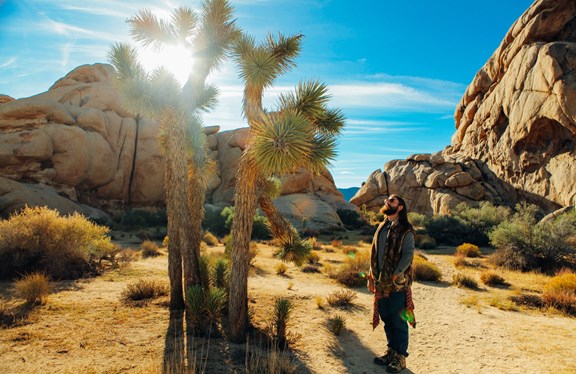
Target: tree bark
[280,226]
[246,194]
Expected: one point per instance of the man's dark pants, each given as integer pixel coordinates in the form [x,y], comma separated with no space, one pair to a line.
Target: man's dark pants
[390,309]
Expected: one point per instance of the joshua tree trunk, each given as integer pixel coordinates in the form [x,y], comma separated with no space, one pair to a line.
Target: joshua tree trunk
[196,204]
[281,228]
[179,246]
[246,190]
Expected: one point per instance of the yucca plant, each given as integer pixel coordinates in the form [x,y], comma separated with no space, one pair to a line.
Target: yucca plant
[280,320]
[159,97]
[336,324]
[294,249]
[220,273]
[214,304]
[300,133]
[195,296]
[204,267]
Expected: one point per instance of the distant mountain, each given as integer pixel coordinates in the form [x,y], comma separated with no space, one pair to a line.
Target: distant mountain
[349,192]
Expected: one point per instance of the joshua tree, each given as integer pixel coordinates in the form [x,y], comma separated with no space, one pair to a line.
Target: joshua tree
[158,96]
[301,133]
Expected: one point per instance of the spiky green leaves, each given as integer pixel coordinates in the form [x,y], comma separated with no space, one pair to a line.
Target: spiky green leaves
[280,143]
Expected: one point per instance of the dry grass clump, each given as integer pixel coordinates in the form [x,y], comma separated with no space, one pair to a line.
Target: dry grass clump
[313,258]
[316,245]
[468,250]
[348,249]
[336,324]
[34,288]
[320,302]
[281,268]
[490,278]
[126,256]
[310,269]
[353,272]
[39,239]
[560,293]
[528,300]
[142,292]
[272,360]
[149,249]
[460,261]
[210,239]
[342,298]
[463,280]
[424,270]
[7,316]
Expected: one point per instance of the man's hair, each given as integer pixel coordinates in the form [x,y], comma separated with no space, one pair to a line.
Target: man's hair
[403,214]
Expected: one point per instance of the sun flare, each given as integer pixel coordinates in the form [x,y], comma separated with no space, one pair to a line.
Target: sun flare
[177,59]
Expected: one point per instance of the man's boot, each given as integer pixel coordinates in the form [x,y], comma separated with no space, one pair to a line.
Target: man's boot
[397,364]
[386,359]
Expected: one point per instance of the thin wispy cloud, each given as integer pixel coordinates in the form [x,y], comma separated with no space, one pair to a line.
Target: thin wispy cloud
[10,62]
[69,30]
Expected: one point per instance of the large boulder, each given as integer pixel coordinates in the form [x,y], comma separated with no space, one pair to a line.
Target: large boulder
[75,148]
[515,126]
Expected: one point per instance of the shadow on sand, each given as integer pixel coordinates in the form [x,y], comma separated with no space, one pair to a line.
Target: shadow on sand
[351,351]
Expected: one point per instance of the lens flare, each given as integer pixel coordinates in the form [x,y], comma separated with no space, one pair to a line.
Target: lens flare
[407,315]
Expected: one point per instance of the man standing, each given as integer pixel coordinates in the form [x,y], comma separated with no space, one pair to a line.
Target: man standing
[390,280]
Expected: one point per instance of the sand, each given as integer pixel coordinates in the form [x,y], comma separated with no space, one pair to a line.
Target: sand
[84,328]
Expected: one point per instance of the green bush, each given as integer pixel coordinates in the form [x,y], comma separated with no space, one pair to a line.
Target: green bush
[350,218]
[446,229]
[215,221]
[424,241]
[524,244]
[417,219]
[261,228]
[39,239]
[480,220]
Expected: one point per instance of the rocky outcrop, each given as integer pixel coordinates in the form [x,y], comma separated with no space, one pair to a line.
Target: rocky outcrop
[431,184]
[519,113]
[75,148]
[515,126]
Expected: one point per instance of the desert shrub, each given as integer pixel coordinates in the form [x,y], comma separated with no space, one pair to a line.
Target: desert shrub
[319,302]
[313,258]
[523,244]
[310,269]
[349,249]
[39,239]
[424,270]
[261,228]
[336,324]
[142,292]
[127,255]
[353,272]
[281,268]
[467,250]
[34,288]
[215,221]
[166,241]
[424,241]
[138,218]
[417,219]
[445,229]
[210,238]
[336,243]
[460,261]
[479,220]
[7,316]
[272,360]
[560,292]
[463,280]
[490,278]
[528,300]
[316,245]
[342,298]
[350,218]
[149,249]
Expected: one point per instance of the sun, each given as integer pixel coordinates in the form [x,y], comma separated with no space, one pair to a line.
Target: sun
[175,58]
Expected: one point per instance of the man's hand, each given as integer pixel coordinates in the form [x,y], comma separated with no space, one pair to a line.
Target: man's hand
[395,277]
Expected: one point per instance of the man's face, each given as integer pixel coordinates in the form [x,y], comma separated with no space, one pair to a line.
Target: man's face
[391,206]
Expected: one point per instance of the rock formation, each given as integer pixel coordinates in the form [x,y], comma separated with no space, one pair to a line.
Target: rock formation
[75,148]
[516,123]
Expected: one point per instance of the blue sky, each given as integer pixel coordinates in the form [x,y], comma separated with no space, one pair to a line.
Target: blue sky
[397,69]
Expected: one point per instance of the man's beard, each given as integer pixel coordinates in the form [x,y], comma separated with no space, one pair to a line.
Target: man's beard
[389,211]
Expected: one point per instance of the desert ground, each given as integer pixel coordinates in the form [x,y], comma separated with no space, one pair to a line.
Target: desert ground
[85,328]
